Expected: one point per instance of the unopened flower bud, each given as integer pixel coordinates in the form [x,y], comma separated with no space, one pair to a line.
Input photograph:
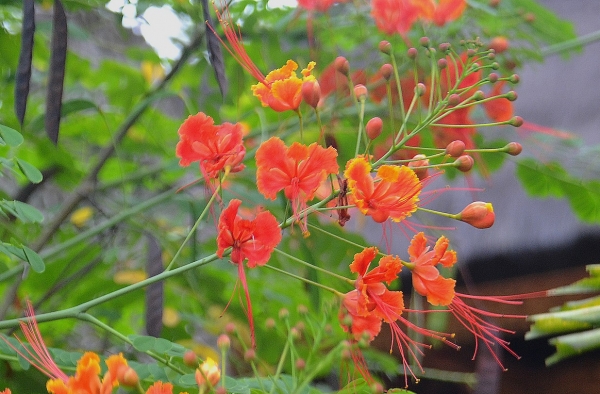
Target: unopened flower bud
[420,89]
[208,374]
[221,390]
[360,91]
[494,3]
[302,309]
[341,65]
[516,121]
[511,96]
[250,355]
[514,79]
[311,92]
[495,65]
[424,42]
[295,333]
[223,342]
[130,378]
[491,55]
[376,388]
[284,313]
[453,100]
[386,71]
[464,163]
[513,148]
[300,364]
[442,64]
[471,52]
[374,127]
[385,47]
[493,77]
[230,328]
[444,47]
[478,95]
[300,326]
[190,359]
[412,53]
[478,214]
[499,44]
[456,148]
[270,323]
[418,162]
[529,17]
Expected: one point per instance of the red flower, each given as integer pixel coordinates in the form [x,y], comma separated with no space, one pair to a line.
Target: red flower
[448,10]
[398,16]
[298,170]
[442,136]
[216,147]
[499,109]
[318,5]
[249,239]
[426,278]
[393,193]
[456,67]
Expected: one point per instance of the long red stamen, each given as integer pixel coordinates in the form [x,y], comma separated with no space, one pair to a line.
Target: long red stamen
[40,356]
[242,276]
[237,49]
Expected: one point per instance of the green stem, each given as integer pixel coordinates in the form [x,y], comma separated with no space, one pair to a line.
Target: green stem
[361,126]
[444,214]
[571,44]
[200,218]
[289,256]
[334,291]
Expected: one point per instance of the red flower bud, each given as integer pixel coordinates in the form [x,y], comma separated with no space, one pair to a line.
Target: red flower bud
[130,378]
[478,214]
[514,78]
[420,89]
[385,47]
[223,342]
[190,359]
[373,128]
[300,364]
[516,121]
[424,41]
[250,355]
[513,148]
[456,148]
[493,77]
[386,71]
[418,162]
[444,47]
[412,53]
[360,91]
[464,163]
[499,44]
[442,64]
[311,92]
[341,65]
[453,100]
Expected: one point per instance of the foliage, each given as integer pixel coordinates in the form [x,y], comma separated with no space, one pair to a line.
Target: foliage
[123,242]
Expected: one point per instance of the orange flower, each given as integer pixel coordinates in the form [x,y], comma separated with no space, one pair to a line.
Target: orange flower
[5,391]
[499,109]
[209,374]
[85,380]
[447,11]
[426,278]
[298,170]
[282,89]
[393,193]
[160,388]
[370,303]
[216,147]
[249,239]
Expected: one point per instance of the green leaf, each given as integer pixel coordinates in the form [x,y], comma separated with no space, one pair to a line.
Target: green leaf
[27,213]
[145,343]
[33,174]
[574,344]
[36,262]
[68,107]
[10,136]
